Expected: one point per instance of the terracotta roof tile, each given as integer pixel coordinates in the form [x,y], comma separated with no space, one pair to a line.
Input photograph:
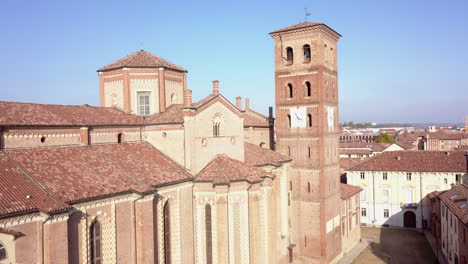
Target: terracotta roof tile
[72,174]
[297,26]
[223,169]
[27,114]
[347,163]
[348,190]
[259,156]
[456,200]
[254,119]
[415,161]
[205,100]
[19,194]
[173,114]
[141,59]
[144,163]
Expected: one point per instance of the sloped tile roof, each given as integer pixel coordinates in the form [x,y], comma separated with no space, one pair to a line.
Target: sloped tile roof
[346,163]
[348,190]
[173,114]
[297,26]
[73,174]
[28,114]
[259,156]
[415,161]
[459,195]
[255,119]
[445,135]
[223,169]
[144,163]
[20,194]
[141,59]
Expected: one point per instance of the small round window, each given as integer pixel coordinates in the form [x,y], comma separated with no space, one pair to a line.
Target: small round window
[42,139]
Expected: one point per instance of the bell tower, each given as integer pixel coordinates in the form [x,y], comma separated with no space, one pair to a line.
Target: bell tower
[307,130]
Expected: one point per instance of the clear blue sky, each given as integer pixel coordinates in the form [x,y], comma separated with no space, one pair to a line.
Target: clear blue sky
[399,61]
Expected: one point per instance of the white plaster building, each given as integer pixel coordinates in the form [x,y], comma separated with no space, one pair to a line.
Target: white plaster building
[395,184]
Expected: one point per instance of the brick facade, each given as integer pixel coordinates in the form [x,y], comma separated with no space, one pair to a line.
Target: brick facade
[139,188]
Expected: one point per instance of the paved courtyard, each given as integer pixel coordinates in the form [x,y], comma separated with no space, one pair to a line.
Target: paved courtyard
[395,246]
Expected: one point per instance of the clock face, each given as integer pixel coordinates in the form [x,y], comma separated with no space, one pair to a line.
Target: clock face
[331,118]
[298,117]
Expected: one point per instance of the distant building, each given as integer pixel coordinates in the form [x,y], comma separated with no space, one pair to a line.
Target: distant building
[350,217]
[395,184]
[434,140]
[449,223]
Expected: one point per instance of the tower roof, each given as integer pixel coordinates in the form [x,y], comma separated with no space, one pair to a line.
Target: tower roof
[141,59]
[301,26]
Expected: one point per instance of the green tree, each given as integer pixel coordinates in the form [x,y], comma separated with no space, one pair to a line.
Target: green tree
[384,138]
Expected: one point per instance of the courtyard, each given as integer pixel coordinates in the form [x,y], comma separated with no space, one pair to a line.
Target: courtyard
[395,246]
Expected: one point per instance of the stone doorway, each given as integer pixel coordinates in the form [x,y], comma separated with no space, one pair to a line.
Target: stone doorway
[409,219]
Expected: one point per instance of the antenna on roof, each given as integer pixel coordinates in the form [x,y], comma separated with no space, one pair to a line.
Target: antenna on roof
[306,14]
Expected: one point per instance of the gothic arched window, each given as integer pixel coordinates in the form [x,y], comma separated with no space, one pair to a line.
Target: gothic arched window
[306,51]
[309,120]
[308,89]
[289,120]
[167,233]
[2,252]
[119,138]
[209,240]
[290,91]
[217,126]
[289,55]
[95,243]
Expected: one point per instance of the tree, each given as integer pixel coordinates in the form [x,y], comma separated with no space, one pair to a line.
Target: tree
[384,138]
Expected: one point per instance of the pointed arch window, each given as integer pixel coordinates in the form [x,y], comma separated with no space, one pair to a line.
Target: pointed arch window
[3,253]
[167,233]
[290,91]
[217,126]
[308,89]
[95,243]
[119,138]
[289,120]
[309,120]
[289,55]
[208,231]
[306,51]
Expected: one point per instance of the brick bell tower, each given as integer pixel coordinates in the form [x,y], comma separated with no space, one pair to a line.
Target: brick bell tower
[307,130]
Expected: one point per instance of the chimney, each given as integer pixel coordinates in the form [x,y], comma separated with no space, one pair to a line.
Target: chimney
[216,87]
[188,98]
[84,136]
[247,103]
[239,102]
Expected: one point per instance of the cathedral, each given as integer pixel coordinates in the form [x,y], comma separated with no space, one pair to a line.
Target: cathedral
[150,176]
